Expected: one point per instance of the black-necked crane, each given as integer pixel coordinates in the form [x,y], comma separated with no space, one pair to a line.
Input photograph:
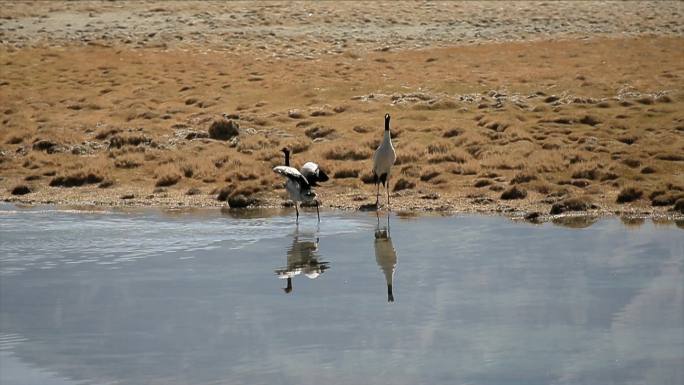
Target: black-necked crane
[383,160]
[297,186]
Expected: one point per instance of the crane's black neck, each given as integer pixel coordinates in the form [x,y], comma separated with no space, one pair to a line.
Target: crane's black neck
[387,120]
[287,158]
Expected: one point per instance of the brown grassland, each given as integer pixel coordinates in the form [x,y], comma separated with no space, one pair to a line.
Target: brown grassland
[547,125]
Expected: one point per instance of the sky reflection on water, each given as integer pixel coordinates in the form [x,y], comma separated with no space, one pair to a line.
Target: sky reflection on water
[144,297]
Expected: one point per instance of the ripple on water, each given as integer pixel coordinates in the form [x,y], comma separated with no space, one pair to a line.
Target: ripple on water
[48,238]
[9,340]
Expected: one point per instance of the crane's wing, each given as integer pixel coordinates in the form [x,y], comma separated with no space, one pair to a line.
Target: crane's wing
[292,174]
[313,173]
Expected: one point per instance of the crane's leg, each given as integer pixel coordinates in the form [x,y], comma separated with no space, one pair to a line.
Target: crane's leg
[377,196]
[317,213]
[297,211]
[388,200]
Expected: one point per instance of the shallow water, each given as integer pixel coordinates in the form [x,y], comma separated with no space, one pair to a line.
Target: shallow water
[150,297]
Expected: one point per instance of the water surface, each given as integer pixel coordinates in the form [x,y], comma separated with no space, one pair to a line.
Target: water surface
[149,297]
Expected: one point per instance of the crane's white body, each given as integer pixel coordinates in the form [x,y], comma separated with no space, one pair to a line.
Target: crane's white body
[383,160]
[384,156]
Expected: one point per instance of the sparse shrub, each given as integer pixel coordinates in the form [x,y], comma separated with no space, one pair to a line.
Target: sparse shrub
[367,178]
[188,170]
[571,204]
[167,176]
[482,183]
[295,114]
[15,140]
[106,133]
[241,201]
[220,161]
[609,176]
[648,170]
[591,174]
[670,157]
[632,162]
[439,148]
[403,184]
[299,146]
[514,193]
[373,144]
[453,132]
[224,193]
[167,180]
[320,112]
[76,179]
[106,183]
[224,129]
[21,190]
[245,176]
[118,141]
[127,162]
[522,178]
[410,170]
[679,206]
[629,140]
[629,194]
[429,175]
[581,183]
[45,145]
[318,132]
[590,120]
[239,197]
[541,186]
[661,198]
[470,168]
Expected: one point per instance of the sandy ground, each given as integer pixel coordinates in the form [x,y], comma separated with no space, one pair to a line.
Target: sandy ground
[562,106]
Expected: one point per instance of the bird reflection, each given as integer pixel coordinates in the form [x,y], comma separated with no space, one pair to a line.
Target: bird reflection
[385,255]
[302,258]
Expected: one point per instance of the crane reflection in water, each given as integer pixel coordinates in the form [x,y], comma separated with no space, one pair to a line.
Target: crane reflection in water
[302,258]
[385,255]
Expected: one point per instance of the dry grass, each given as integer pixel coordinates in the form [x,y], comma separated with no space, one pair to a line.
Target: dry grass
[347,153]
[547,145]
[346,173]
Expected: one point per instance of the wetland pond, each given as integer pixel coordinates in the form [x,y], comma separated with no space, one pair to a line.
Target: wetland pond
[211,297]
